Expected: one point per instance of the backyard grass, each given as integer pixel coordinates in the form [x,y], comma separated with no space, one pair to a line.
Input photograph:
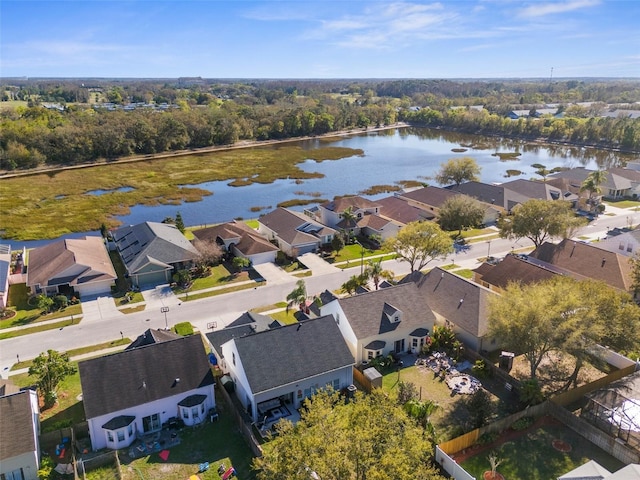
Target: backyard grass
[451,416]
[216,443]
[52,204]
[532,455]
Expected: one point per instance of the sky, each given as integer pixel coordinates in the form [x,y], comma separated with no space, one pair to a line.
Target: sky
[320,39]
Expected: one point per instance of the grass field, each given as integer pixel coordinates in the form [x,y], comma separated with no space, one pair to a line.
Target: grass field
[51,204]
[533,457]
[216,443]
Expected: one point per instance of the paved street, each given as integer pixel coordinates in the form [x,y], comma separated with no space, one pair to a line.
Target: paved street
[102,322]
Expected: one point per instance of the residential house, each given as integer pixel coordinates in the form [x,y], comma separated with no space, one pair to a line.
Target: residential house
[401,211]
[532,189]
[240,240]
[457,303]
[134,392]
[431,200]
[79,265]
[293,232]
[366,217]
[150,336]
[502,199]
[152,252]
[19,430]
[622,241]
[284,366]
[394,319]
[512,269]
[5,271]
[619,183]
[586,261]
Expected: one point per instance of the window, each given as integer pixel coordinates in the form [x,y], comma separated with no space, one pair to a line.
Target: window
[121,435]
[185,413]
[414,343]
[15,475]
[621,247]
[202,407]
[629,247]
[194,412]
[369,355]
[130,430]
[336,384]
[109,436]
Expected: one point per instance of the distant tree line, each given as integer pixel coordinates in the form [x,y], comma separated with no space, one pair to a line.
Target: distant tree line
[214,113]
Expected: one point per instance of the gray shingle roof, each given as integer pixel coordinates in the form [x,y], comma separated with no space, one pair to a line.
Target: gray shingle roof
[368,313]
[245,324]
[293,227]
[141,375]
[151,336]
[285,355]
[457,299]
[152,242]
[399,210]
[16,421]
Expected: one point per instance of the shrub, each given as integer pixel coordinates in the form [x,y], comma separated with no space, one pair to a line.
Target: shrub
[523,423]
[531,392]
[184,328]
[487,438]
[60,302]
[481,369]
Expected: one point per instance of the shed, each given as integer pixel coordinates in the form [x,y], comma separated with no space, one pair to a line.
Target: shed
[374,376]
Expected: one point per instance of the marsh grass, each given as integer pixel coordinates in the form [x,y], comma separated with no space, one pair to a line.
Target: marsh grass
[31,207]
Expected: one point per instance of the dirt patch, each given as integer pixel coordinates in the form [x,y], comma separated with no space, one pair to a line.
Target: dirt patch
[492,476]
[561,446]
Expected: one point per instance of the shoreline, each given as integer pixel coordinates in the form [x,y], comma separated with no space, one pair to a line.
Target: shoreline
[196,151]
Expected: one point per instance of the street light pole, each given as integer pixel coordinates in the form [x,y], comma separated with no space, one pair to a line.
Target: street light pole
[488,249]
[361,258]
[165,310]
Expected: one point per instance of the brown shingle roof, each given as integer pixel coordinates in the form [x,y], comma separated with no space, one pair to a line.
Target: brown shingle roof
[399,210]
[141,375]
[287,224]
[341,204]
[49,263]
[16,425]
[429,196]
[515,269]
[248,241]
[588,261]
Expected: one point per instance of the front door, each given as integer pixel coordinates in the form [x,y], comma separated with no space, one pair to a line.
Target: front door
[399,346]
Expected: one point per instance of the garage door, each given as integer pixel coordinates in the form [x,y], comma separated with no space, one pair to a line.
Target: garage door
[152,279]
[94,289]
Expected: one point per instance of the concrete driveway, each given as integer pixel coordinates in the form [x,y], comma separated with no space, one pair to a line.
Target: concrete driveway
[272,273]
[159,296]
[317,265]
[96,308]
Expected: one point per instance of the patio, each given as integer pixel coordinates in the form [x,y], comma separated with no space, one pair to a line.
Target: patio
[153,443]
[273,415]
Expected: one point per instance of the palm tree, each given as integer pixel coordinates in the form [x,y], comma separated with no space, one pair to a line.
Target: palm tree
[375,272]
[298,296]
[592,185]
[349,219]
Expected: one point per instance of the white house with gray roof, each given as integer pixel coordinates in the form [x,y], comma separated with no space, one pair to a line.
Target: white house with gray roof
[281,367]
[394,319]
[19,430]
[152,252]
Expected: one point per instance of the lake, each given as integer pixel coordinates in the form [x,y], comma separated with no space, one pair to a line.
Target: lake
[391,156]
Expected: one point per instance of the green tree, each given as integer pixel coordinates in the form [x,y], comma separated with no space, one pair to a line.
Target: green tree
[592,184]
[337,243]
[182,277]
[480,408]
[50,369]
[539,221]
[458,170]
[375,272]
[179,222]
[419,243]
[460,212]
[60,302]
[298,296]
[351,286]
[44,303]
[369,438]
[635,274]
[241,262]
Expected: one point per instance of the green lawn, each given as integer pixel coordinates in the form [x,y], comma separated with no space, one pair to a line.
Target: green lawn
[216,443]
[40,328]
[533,457]
[623,203]
[26,314]
[285,317]
[196,296]
[220,275]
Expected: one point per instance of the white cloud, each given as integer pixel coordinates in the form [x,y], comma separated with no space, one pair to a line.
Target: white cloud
[542,9]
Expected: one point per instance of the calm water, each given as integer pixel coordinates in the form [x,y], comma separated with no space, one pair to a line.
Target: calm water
[390,156]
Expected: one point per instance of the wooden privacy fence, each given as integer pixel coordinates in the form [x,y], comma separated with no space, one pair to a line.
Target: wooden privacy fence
[243,426]
[109,458]
[359,377]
